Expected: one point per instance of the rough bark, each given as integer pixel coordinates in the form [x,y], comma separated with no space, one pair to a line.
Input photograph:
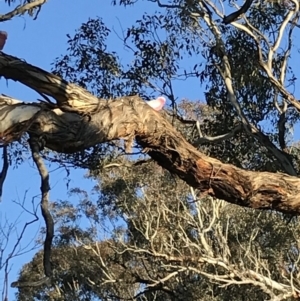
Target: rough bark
[98,120]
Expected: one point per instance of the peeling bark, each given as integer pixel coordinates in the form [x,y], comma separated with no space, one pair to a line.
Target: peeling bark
[80,120]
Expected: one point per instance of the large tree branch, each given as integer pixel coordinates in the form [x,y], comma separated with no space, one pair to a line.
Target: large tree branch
[128,118]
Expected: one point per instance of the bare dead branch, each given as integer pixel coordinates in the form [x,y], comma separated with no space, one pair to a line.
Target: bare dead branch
[16,248]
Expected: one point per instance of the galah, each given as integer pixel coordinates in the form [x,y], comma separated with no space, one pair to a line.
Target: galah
[3,37]
[157,104]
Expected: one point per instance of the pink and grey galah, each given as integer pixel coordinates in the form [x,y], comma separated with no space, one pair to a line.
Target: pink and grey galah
[157,104]
[3,37]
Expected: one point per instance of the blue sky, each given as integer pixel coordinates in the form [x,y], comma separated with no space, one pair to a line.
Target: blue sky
[39,43]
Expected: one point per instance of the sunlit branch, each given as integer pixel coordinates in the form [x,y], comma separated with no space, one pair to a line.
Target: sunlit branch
[215,8]
[290,98]
[254,29]
[21,10]
[283,109]
[276,44]
[232,274]
[226,72]
[276,103]
[287,52]
[248,31]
